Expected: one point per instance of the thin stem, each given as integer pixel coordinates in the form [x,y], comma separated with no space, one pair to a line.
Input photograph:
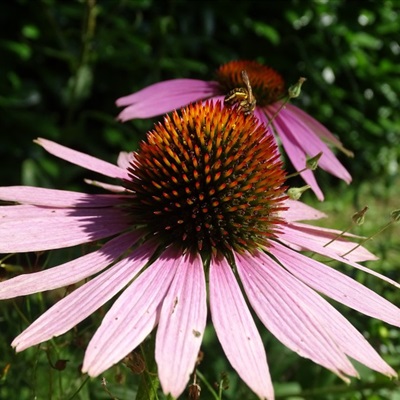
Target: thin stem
[369,238]
[339,235]
[209,387]
[79,388]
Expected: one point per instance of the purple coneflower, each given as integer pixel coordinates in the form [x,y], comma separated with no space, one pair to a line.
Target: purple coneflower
[300,134]
[203,200]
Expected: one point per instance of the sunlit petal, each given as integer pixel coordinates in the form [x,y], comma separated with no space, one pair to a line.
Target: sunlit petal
[236,329]
[68,273]
[181,326]
[132,317]
[288,314]
[85,300]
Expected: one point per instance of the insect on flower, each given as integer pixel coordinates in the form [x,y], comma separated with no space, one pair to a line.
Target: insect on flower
[242,96]
[300,135]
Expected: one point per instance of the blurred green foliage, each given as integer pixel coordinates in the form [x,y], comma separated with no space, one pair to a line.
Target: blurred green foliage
[63,65]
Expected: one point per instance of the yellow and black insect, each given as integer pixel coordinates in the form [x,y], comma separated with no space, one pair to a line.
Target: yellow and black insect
[242,96]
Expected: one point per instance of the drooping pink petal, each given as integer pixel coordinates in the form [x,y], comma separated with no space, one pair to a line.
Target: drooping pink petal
[286,313]
[305,241]
[311,143]
[83,160]
[259,113]
[336,285]
[181,326]
[133,315]
[347,338]
[319,230]
[82,302]
[341,244]
[298,211]
[314,126]
[297,156]
[69,272]
[163,97]
[236,329]
[294,150]
[56,198]
[53,228]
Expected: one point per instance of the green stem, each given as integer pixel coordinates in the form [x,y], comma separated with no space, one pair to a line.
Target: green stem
[79,388]
[207,385]
[368,238]
[339,235]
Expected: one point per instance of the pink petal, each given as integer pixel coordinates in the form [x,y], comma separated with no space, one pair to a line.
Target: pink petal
[259,113]
[107,186]
[311,143]
[298,211]
[125,159]
[336,285]
[181,326]
[314,126]
[309,242]
[163,97]
[294,150]
[70,272]
[133,316]
[83,160]
[287,314]
[331,233]
[56,198]
[297,155]
[39,228]
[298,131]
[341,245]
[78,305]
[347,338]
[236,329]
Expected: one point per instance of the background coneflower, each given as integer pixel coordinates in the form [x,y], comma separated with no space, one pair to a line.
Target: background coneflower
[301,135]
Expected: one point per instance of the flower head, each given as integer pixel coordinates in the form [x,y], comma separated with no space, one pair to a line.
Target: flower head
[201,200]
[300,135]
[208,180]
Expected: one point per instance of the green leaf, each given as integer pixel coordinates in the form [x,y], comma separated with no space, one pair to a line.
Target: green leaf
[267,31]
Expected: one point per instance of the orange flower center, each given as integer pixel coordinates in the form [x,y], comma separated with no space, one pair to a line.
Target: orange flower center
[267,85]
[209,178]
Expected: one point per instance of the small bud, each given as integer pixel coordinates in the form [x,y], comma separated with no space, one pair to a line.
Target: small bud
[194,391]
[296,193]
[395,215]
[60,365]
[359,217]
[12,268]
[312,163]
[224,381]
[135,362]
[295,90]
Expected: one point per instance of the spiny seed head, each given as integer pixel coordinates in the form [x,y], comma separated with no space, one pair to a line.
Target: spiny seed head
[208,178]
[267,85]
